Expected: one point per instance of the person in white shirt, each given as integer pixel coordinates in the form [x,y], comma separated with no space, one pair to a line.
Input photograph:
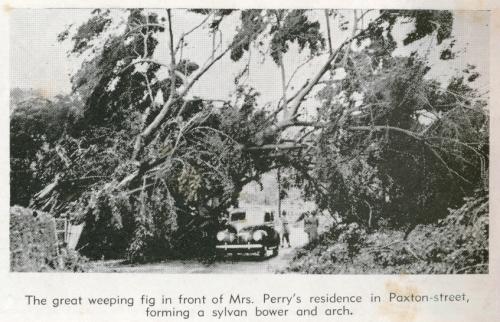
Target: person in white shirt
[285,230]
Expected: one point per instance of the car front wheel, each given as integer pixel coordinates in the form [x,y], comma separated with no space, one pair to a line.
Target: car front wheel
[263,252]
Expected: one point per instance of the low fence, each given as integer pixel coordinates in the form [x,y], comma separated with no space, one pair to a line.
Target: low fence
[67,233]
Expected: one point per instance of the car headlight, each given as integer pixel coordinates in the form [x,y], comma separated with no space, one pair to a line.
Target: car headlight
[258,235]
[221,235]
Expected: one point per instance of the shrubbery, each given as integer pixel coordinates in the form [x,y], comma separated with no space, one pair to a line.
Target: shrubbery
[457,244]
[34,246]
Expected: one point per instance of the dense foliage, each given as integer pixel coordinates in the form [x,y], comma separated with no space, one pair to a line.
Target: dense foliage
[381,164]
[457,244]
[150,169]
[36,126]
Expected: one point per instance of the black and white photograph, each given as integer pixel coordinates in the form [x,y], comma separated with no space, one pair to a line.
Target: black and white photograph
[244,141]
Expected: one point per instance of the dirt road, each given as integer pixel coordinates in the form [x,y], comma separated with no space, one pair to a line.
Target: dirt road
[228,265]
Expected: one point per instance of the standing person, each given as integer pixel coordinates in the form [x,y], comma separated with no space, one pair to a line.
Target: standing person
[314,222]
[285,230]
[306,216]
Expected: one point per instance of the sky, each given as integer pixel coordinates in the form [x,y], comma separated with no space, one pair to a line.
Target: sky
[38,61]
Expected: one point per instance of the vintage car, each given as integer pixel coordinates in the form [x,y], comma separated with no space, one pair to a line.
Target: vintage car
[249,231]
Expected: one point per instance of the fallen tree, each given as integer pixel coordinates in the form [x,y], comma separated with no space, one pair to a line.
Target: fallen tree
[152,167]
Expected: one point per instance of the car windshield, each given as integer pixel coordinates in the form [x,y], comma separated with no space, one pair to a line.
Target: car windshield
[237,216]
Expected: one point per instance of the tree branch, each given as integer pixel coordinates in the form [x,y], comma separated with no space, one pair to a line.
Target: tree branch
[415,136]
[329,33]
[283,146]
[172,54]
[185,34]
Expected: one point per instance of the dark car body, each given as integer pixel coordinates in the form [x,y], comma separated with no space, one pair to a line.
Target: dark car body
[248,231]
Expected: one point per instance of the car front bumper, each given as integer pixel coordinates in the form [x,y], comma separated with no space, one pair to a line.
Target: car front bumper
[240,248]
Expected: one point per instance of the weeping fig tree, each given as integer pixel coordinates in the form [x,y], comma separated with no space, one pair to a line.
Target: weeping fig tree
[153,164]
